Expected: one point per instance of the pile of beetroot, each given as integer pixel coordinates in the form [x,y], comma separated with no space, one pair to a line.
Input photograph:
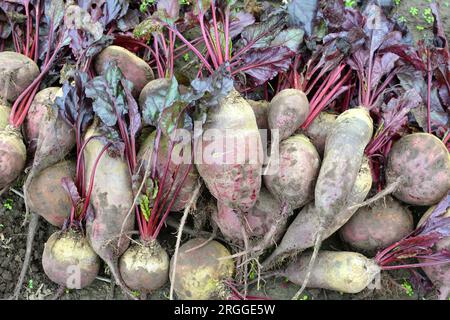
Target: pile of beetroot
[338,123]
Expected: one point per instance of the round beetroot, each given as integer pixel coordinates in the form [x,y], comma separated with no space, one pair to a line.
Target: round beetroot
[47,197]
[199,275]
[152,88]
[375,227]
[145,267]
[294,179]
[17,72]
[69,260]
[422,162]
[12,156]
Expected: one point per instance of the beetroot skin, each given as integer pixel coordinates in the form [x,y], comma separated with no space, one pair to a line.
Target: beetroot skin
[422,162]
[378,226]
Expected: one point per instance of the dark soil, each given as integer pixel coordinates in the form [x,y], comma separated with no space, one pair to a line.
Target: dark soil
[416,20]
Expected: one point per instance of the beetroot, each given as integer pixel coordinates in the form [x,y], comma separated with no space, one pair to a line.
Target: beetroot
[261,110]
[38,110]
[145,267]
[69,261]
[174,176]
[133,68]
[12,156]
[152,88]
[199,274]
[47,197]
[266,213]
[347,272]
[4,116]
[302,232]
[375,227]
[17,72]
[111,205]
[421,163]
[231,173]
[296,173]
[318,130]
[287,112]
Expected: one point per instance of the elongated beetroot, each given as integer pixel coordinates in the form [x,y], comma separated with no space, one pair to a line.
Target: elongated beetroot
[47,197]
[287,112]
[375,227]
[422,163]
[302,232]
[347,272]
[111,199]
[231,172]
[343,156]
[295,175]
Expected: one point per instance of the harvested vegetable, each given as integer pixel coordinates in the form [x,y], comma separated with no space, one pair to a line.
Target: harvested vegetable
[69,260]
[12,156]
[377,226]
[295,178]
[43,100]
[199,274]
[265,219]
[287,112]
[145,267]
[318,130]
[302,232]
[134,68]
[422,163]
[261,111]
[46,195]
[17,72]
[107,231]
[4,116]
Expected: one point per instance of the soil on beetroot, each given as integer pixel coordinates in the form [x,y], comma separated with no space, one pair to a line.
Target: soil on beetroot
[38,286]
